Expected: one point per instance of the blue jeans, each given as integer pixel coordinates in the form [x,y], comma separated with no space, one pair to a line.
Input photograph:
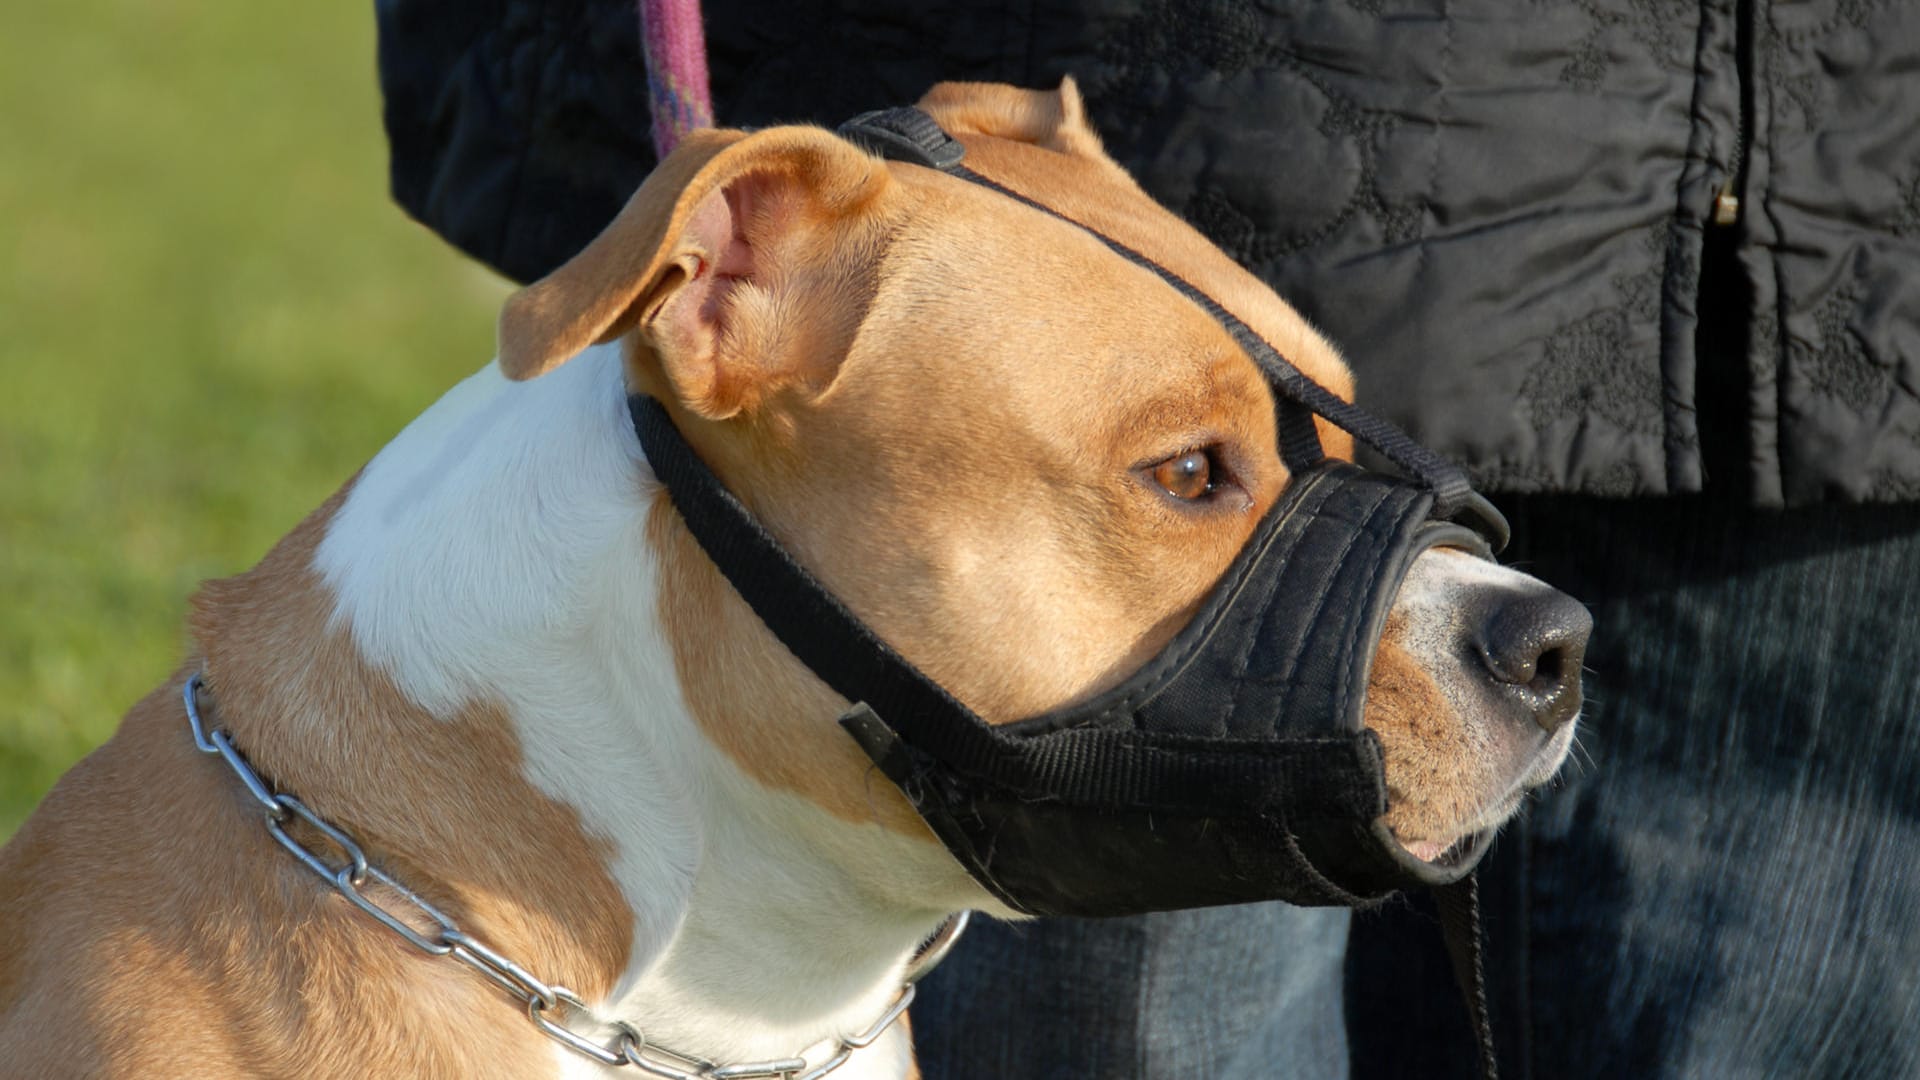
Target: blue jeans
[1727,882]
[1251,991]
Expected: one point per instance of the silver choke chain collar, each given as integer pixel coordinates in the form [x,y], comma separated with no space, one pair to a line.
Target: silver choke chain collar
[549,1006]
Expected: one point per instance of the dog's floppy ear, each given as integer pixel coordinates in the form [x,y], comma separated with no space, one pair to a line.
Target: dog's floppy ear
[703,253]
[1054,119]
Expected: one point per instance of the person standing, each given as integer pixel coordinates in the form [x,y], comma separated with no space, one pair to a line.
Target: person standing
[1649,270]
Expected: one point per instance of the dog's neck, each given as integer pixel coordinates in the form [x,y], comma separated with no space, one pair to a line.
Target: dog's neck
[496,553]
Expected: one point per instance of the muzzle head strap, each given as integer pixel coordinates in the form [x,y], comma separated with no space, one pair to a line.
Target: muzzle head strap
[908,134]
[904,134]
[1086,767]
[1236,763]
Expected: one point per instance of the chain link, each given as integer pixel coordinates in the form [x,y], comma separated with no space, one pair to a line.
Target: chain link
[549,1006]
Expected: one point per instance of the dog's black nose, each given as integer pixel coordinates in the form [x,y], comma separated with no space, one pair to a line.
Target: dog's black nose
[1533,643]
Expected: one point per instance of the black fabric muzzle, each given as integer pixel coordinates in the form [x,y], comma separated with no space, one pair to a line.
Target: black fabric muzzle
[1235,765]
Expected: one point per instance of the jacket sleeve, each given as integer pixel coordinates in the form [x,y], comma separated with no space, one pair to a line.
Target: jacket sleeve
[517,128]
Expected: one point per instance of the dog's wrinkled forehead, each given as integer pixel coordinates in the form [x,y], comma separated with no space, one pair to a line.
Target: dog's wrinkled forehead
[1036,304]
[1039,144]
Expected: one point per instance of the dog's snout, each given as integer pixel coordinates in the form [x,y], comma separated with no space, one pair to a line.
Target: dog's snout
[1534,643]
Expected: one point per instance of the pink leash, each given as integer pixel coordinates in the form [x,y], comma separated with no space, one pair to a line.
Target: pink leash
[676,51]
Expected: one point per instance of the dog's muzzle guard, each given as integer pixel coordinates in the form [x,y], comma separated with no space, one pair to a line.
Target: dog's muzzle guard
[1235,765]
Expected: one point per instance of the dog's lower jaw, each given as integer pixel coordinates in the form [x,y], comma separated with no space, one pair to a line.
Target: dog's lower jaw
[1500,810]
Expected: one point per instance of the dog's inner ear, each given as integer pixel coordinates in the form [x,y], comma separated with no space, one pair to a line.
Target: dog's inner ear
[709,266]
[713,314]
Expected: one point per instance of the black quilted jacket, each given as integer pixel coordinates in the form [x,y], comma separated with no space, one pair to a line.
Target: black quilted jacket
[1518,221]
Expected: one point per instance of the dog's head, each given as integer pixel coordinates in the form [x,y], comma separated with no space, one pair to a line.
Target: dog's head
[1022,460]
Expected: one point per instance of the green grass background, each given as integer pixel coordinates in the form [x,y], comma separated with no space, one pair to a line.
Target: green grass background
[211,313]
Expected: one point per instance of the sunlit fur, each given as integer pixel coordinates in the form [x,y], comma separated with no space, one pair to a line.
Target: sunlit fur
[498,658]
[1459,753]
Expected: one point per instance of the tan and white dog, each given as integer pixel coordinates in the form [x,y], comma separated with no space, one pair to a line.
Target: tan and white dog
[497,658]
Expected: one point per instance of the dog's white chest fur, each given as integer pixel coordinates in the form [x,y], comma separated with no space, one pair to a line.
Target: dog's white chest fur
[496,551]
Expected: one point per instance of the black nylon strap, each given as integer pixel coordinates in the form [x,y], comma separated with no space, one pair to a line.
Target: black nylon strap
[904,134]
[1299,440]
[1445,479]
[909,134]
[809,620]
[1093,767]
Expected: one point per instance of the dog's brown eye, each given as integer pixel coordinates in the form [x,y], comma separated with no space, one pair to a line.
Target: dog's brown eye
[1187,477]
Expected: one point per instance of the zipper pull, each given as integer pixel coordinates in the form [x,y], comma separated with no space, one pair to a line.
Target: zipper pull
[1726,205]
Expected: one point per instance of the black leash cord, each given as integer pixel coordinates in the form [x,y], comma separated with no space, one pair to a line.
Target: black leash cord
[1459,905]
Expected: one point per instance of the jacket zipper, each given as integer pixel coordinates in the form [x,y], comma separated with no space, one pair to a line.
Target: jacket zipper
[1726,201]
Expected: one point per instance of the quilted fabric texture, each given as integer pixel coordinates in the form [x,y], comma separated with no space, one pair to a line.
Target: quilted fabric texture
[1505,220]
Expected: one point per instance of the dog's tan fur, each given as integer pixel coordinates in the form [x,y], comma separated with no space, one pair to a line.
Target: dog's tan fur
[158,836]
[809,444]
[988,517]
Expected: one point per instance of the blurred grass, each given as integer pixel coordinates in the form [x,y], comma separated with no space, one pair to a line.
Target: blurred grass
[210,315]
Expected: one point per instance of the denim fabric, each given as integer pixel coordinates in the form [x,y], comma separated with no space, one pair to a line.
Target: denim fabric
[1244,993]
[1727,881]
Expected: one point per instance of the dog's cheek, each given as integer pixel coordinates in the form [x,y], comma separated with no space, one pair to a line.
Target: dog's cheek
[752,700]
[1428,752]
